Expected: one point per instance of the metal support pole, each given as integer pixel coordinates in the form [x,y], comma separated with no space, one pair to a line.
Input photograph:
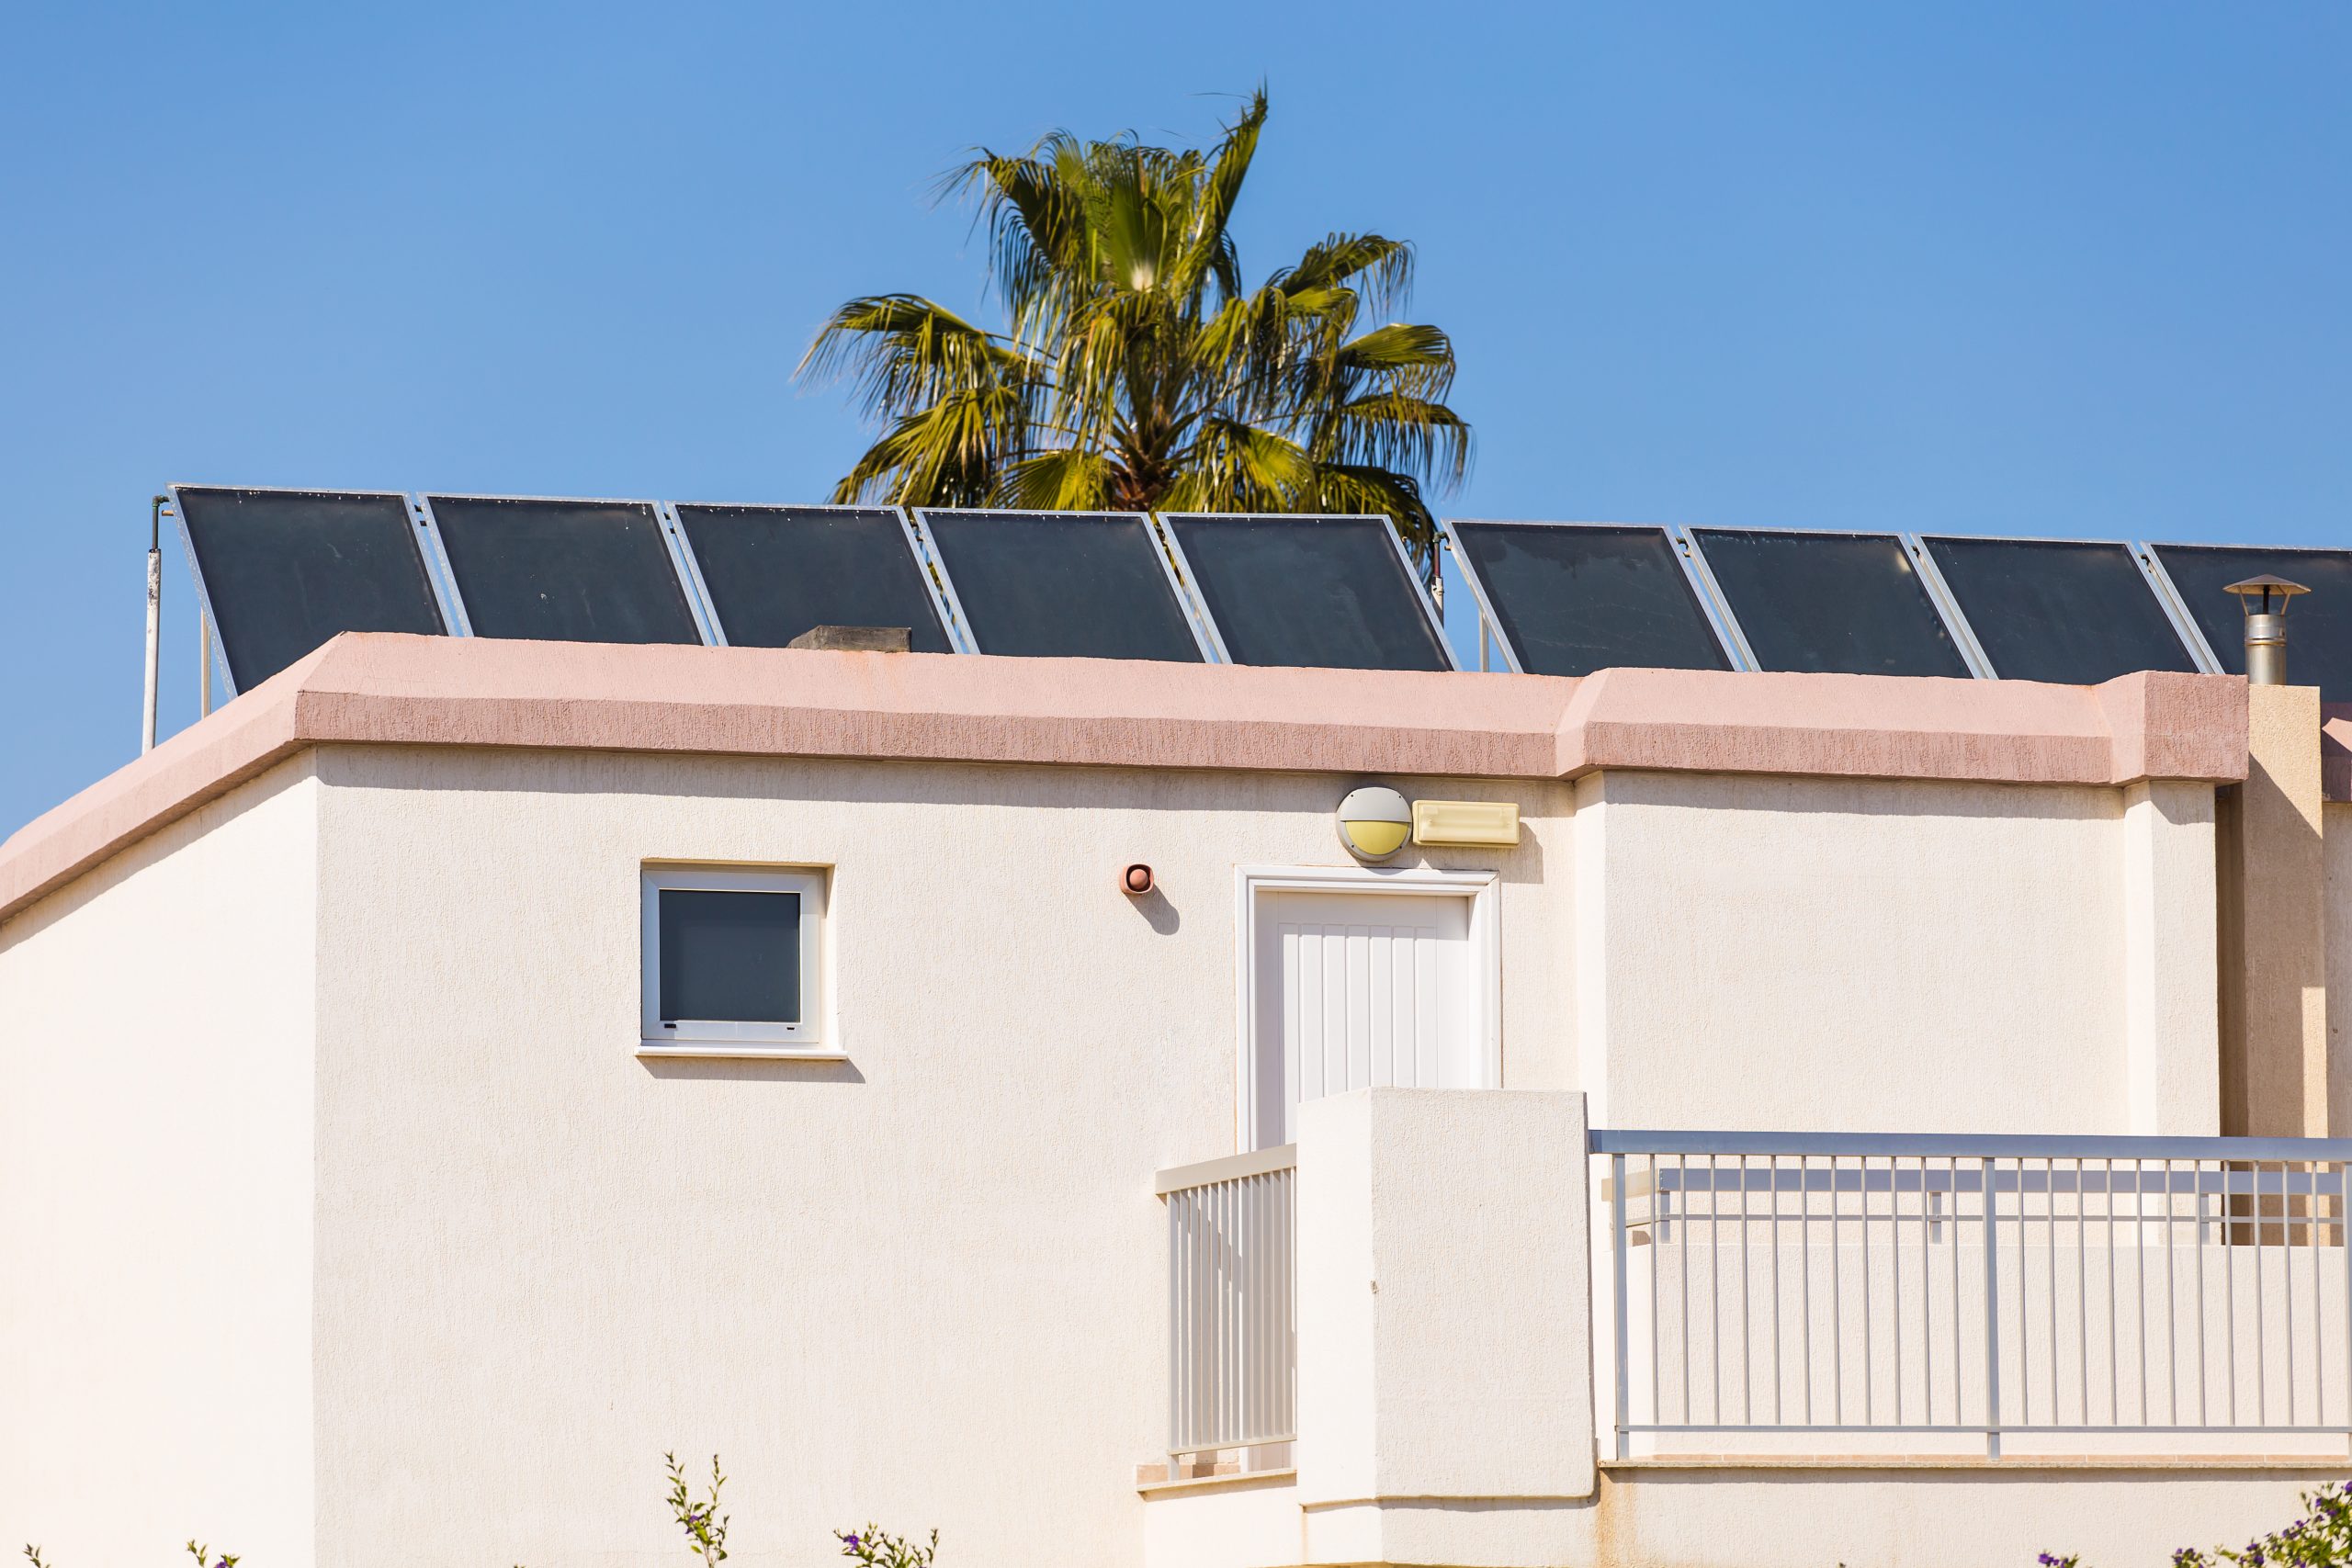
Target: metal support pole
[154,622]
[203,664]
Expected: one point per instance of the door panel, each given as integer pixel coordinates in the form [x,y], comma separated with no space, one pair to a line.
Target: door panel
[1357,990]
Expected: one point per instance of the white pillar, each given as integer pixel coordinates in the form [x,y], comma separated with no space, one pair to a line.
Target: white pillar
[1444,1310]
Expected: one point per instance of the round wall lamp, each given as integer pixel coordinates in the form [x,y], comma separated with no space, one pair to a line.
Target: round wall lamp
[1136,880]
[1375,822]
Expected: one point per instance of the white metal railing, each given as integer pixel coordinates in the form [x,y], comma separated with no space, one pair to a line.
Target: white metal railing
[1976,1286]
[1232,1302]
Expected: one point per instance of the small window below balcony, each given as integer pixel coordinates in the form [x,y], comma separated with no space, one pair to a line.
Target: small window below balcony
[731,962]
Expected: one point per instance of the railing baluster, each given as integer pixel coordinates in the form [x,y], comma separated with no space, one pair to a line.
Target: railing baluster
[1862,1183]
[1772,1177]
[2115,1385]
[1993,1303]
[1658,1240]
[1682,1299]
[1836,1305]
[1951,1246]
[1625,1414]
[1805,1264]
[2261,1314]
[1746,1333]
[1895,1265]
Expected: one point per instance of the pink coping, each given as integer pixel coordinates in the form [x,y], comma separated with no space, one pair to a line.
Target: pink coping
[389,689]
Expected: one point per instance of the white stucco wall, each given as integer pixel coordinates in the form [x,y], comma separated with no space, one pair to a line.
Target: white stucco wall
[1860,956]
[155,1149]
[924,1286]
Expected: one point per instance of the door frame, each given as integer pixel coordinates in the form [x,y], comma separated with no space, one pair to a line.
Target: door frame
[1480,887]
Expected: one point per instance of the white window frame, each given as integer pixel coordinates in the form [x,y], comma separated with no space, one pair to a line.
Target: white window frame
[722,1037]
[1481,889]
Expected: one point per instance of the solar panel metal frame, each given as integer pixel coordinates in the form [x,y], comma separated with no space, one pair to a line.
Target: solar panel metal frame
[1931,581]
[960,631]
[1680,546]
[2167,599]
[689,587]
[437,581]
[2176,604]
[691,565]
[1430,611]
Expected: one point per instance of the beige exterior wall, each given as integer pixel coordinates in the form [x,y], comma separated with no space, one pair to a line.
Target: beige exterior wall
[156,1174]
[2275,1071]
[924,1285]
[2336,842]
[1860,956]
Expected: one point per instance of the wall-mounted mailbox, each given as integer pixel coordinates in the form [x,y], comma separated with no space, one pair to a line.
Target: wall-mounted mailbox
[1474,824]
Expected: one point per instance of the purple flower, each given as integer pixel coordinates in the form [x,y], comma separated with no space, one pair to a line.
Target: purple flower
[850,1541]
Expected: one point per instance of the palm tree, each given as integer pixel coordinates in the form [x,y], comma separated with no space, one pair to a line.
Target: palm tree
[1135,371]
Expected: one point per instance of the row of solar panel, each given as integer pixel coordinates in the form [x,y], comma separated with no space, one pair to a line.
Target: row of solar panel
[283,570]
[1575,597]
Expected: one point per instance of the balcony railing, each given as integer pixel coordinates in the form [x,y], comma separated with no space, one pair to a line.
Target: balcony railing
[1232,1302]
[1976,1287]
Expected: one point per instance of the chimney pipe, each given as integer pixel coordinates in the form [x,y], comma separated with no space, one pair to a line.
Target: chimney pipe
[2263,601]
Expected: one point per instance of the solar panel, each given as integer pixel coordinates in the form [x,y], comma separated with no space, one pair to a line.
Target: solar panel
[1847,604]
[1325,593]
[1571,598]
[1062,585]
[563,570]
[2318,624]
[2073,611]
[282,570]
[775,572]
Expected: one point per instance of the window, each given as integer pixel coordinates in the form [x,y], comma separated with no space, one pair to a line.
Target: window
[731,961]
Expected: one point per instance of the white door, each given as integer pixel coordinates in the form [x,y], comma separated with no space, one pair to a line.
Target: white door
[1361,990]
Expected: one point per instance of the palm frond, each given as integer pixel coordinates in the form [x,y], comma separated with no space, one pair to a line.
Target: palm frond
[902,352]
[1396,430]
[1344,488]
[1209,245]
[947,455]
[1383,266]
[1065,479]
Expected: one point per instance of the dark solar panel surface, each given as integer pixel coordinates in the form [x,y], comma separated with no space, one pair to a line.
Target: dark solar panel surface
[1061,584]
[2318,624]
[1327,592]
[563,570]
[286,569]
[1576,599]
[2065,610]
[776,573]
[1845,603]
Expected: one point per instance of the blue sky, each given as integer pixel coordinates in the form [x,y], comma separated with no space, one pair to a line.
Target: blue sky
[2033,268]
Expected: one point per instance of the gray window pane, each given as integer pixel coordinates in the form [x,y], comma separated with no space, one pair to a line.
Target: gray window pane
[730,957]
